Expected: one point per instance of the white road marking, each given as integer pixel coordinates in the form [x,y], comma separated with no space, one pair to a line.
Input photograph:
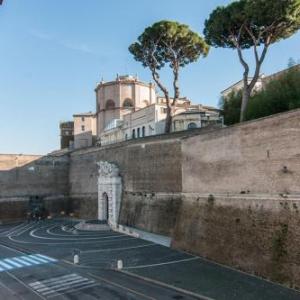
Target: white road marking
[161,264]
[26,286]
[12,262]
[46,257]
[21,230]
[117,249]
[122,287]
[74,290]
[5,266]
[32,233]
[6,232]
[99,241]
[66,284]
[24,261]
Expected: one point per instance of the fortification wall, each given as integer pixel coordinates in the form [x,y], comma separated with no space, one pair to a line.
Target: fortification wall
[231,194]
[147,166]
[257,157]
[256,235]
[22,176]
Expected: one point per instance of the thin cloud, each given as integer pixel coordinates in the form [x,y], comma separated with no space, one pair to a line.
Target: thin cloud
[77,46]
[80,47]
[40,35]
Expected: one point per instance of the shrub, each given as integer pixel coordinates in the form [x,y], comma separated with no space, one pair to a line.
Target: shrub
[279,95]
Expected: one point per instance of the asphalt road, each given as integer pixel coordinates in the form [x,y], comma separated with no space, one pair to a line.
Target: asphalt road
[36,262]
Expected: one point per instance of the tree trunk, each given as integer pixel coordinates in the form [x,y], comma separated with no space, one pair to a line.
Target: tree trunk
[168,124]
[245,100]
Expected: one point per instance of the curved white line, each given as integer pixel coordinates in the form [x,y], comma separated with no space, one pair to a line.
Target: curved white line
[165,263]
[117,249]
[70,234]
[32,233]
[124,238]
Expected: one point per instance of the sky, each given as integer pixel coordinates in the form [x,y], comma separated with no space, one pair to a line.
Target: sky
[53,53]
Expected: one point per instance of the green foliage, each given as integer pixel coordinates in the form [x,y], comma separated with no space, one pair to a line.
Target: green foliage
[168,42]
[279,95]
[231,106]
[245,23]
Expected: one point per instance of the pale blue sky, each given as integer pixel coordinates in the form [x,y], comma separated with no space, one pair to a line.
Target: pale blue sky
[53,53]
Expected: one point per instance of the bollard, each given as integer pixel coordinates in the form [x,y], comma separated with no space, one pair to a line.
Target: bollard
[120,264]
[76,259]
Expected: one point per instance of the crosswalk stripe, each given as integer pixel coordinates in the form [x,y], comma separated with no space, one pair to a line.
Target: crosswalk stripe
[31,260]
[5,265]
[38,258]
[53,279]
[22,261]
[59,281]
[11,262]
[46,257]
[65,284]
[70,287]
[72,290]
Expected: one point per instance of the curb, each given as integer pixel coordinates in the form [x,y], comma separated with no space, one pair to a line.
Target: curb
[198,296]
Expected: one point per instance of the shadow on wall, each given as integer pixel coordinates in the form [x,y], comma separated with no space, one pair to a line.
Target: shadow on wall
[23,177]
[84,140]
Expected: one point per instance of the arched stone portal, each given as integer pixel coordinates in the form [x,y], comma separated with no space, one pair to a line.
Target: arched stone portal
[109,193]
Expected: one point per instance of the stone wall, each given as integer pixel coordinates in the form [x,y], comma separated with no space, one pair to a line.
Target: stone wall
[256,235]
[230,194]
[22,176]
[150,166]
[256,157]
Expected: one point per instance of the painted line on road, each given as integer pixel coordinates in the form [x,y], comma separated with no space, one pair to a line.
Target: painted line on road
[25,285]
[6,232]
[24,261]
[32,233]
[96,233]
[121,287]
[73,290]
[61,285]
[123,238]
[161,264]
[117,249]
[165,285]
[22,230]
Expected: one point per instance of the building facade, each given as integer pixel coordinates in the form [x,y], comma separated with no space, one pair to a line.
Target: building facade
[128,108]
[260,84]
[66,134]
[85,130]
[120,97]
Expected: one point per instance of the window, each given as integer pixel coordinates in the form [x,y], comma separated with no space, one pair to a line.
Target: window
[138,132]
[82,119]
[133,133]
[66,132]
[143,131]
[163,110]
[110,104]
[127,103]
[192,125]
[82,128]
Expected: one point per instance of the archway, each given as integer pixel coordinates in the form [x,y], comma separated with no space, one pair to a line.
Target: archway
[105,206]
[109,193]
